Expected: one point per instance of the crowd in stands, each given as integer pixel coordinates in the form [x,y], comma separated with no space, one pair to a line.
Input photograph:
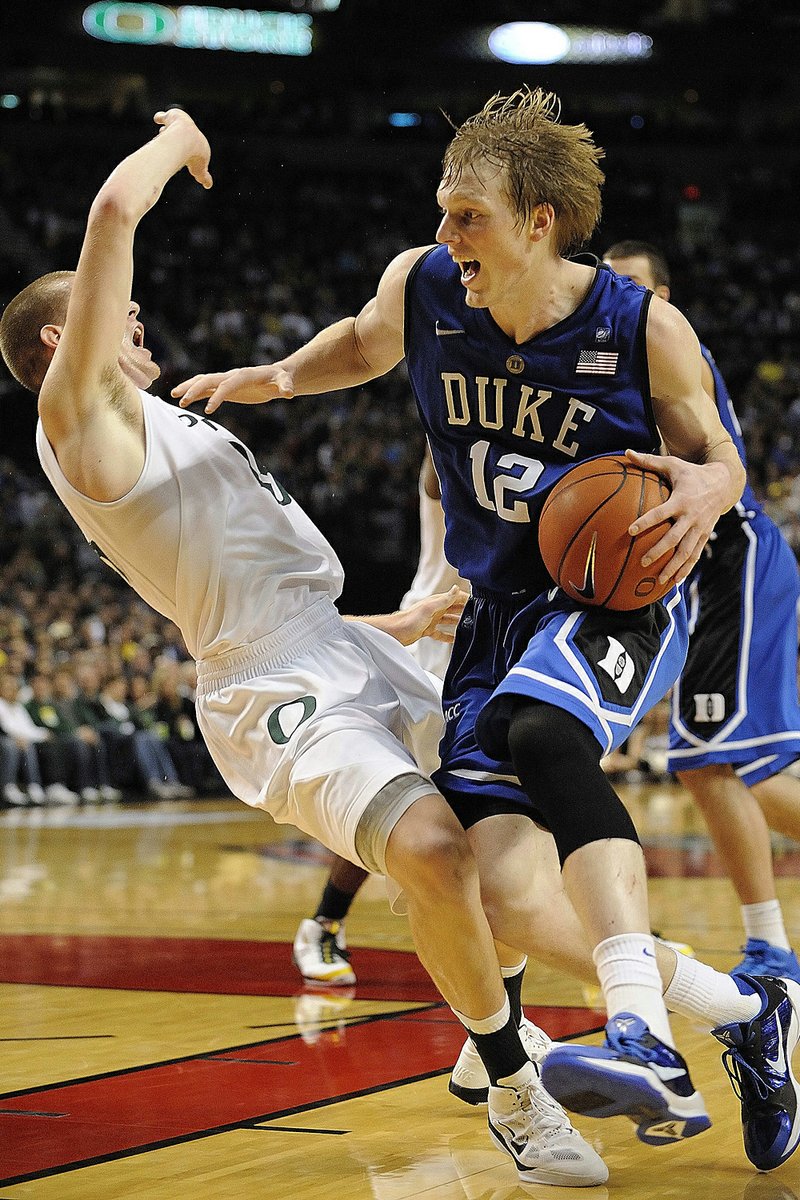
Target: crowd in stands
[95,689]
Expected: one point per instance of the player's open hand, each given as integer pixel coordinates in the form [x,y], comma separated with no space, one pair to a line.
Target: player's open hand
[242,385]
[435,617]
[198,151]
[694,506]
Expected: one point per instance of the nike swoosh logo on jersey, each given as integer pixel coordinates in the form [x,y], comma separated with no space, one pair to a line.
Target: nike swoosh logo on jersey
[441,332]
[587,587]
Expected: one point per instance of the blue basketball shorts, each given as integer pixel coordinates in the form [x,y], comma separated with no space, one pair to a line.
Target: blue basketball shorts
[736,701]
[605,668]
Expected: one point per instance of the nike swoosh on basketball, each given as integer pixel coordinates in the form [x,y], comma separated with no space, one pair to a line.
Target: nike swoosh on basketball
[587,587]
[441,332]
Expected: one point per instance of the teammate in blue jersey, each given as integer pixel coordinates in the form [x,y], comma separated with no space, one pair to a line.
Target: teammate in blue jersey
[524,362]
[735,714]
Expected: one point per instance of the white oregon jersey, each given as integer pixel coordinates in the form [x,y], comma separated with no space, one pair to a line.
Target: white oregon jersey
[203,536]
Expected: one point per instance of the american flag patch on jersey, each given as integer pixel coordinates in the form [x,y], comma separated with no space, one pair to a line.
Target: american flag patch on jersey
[597,362]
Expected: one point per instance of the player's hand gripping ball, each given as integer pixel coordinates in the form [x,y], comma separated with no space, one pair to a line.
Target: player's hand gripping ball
[584,539]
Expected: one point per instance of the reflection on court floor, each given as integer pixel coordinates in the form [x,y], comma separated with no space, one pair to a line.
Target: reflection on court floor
[158,1042]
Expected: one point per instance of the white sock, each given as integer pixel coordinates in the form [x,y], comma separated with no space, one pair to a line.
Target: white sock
[697,990]
[628,974]
[520,1078]
[490,1024]
[494,1024]
[765,921]
[510,972]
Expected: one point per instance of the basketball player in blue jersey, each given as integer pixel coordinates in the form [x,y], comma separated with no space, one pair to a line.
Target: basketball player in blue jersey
[524,362]
[320,722]
[735,714]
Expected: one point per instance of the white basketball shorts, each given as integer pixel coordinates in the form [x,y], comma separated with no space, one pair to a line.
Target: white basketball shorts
[313,720]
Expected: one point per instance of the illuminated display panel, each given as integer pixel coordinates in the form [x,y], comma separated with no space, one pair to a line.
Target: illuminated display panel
[198,27]
[540,42]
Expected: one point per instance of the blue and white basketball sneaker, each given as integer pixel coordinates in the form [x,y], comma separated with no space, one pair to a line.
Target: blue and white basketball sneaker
[633,1074]
[762,958]
[758,1059]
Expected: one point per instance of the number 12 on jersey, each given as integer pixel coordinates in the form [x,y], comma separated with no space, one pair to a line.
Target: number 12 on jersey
[505,483]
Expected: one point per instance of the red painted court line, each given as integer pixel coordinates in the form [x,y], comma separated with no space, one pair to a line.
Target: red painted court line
[219,966]
[131,1111]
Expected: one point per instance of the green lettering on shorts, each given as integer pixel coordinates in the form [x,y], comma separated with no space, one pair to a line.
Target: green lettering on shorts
[286,718]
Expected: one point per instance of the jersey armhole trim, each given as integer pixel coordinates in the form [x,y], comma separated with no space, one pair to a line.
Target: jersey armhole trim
[641,351]
[407,295]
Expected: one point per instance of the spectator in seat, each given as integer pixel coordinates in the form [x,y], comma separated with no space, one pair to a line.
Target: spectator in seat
[153,767]
[80,719]
[43,775]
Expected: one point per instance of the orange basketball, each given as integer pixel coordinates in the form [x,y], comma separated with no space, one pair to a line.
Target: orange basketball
[584,539]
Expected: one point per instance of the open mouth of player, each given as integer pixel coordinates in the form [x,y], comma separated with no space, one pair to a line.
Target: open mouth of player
[469,270]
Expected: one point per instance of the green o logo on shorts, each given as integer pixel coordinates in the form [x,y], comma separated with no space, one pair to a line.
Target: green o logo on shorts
[286,718]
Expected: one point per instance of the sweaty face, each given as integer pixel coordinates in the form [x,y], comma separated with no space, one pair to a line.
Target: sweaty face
[483,235]
[135,360]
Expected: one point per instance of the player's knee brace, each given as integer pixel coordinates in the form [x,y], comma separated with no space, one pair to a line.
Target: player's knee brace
[557,760]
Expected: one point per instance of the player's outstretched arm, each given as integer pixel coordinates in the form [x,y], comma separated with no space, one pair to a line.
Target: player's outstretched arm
[702,465]
[89,402]
[346,354]
[434,616]
[85,367]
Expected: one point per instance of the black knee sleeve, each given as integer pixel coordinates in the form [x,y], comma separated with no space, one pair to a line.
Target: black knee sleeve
[557,760]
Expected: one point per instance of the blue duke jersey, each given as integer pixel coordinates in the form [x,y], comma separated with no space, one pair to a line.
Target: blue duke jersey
[736,701]
[505,422]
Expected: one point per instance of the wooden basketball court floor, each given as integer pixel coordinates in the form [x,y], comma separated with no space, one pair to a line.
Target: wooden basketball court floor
[157,1042]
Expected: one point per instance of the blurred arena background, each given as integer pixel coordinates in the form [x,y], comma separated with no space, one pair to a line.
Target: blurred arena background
[133,937]
[326,160]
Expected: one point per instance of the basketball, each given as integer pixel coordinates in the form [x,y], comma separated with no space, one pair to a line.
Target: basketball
[584,539]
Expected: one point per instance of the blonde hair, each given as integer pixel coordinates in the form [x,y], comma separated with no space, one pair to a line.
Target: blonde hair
[543,161]
[43,302]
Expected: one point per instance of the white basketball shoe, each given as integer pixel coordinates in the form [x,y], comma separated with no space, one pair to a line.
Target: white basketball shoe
[468,1079]
[320,954]
[526,1122]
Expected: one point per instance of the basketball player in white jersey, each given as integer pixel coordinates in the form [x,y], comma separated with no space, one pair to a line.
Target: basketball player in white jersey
[324,724]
